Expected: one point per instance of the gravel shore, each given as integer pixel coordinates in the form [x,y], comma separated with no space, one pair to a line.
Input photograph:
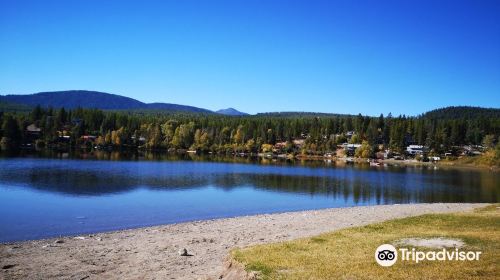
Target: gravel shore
[153,252]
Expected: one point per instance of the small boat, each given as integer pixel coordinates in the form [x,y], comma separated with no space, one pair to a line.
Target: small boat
[374,163]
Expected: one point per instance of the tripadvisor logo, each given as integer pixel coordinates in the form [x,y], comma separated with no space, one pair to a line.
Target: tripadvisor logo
[387,255]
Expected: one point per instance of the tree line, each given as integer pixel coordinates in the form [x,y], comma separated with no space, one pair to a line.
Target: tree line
[320,133]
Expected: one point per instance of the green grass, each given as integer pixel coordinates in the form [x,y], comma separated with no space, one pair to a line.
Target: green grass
[349,253]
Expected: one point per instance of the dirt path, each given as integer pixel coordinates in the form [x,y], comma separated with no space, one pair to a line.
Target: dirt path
[152,253]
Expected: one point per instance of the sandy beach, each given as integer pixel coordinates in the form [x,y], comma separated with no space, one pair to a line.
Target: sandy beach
[153,252]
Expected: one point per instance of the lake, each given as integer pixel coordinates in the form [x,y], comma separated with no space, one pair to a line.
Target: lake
[47,197]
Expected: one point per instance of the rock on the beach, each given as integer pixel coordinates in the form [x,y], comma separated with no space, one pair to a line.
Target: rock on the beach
[8,266]
[183,252]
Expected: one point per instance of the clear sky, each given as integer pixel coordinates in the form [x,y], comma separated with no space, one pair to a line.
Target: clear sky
[347,56]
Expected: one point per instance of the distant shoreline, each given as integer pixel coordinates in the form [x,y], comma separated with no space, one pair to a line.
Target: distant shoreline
[393,162]
[443,164]
[339,161]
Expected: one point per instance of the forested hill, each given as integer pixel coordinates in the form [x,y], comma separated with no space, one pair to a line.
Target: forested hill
[447,113]
[463,112]
[72,99]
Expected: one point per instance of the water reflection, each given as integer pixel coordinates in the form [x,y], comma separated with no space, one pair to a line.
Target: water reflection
[43,197]
[390,185]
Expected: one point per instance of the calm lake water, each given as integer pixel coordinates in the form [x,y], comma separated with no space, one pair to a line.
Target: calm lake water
[42,197]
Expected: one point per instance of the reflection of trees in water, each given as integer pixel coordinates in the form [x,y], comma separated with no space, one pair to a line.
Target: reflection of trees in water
[380,190]
[144,155]
[400,186]
[81,182]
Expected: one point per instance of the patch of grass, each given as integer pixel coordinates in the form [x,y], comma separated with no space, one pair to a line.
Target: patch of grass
[263,269]
[489,158]
[349,253]
[318,240]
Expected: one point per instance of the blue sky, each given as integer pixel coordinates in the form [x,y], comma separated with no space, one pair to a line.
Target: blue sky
[349,56]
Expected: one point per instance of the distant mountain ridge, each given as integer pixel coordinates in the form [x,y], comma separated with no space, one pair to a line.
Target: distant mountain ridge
[231,112]
[462,112]
[71,99]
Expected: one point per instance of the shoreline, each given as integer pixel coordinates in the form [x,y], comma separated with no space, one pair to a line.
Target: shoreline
[393,162]
[152,252]
[261,158]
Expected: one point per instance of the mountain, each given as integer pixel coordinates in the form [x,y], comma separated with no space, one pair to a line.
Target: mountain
[231,112]
[71,99]
[176,108]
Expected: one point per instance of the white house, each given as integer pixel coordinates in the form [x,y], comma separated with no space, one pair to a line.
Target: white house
[351,148]
[415,149]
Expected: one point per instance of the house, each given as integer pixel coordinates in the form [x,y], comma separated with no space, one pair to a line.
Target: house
[90,138]
[141,139]
[298,142]
[350,149]
[387,154]
[471,150]
[415,149]
[32,133]
[64,139]
[33,129]
[280,145]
